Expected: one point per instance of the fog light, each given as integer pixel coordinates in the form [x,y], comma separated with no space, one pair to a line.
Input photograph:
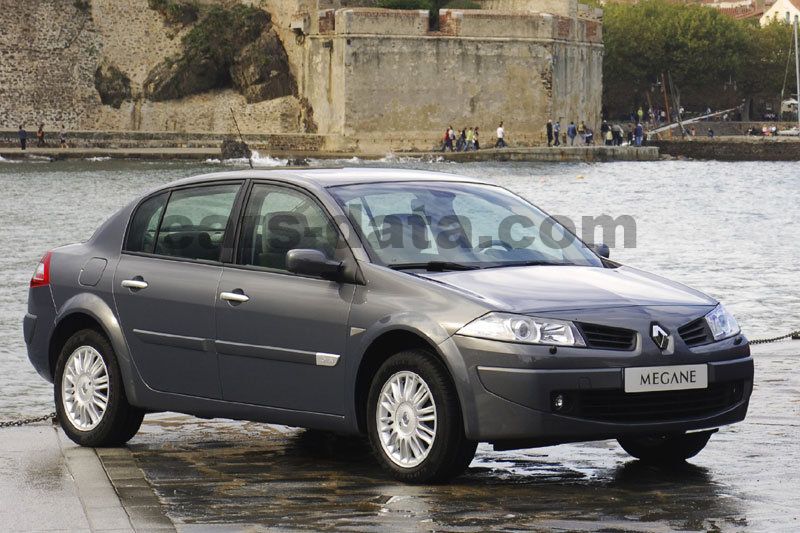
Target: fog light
[559,402]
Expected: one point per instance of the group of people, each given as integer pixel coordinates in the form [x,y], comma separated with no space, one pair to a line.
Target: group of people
[469,139]
[40,137]
[610,134]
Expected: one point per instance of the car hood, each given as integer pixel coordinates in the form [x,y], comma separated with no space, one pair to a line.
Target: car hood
[533,289]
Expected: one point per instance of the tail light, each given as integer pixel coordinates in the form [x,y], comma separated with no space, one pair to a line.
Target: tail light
[42,275]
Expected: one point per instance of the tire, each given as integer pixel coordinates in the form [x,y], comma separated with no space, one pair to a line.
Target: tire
[449,452]
[665,449]
[119,421]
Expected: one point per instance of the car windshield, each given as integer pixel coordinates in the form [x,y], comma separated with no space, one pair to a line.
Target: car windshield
[456,226]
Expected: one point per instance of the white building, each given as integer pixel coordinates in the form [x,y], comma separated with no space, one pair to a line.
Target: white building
[784,10]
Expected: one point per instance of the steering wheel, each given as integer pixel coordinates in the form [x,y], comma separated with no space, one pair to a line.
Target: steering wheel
[485,246]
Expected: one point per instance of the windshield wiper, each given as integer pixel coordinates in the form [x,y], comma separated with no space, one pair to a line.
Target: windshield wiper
[434,266]
[531,263]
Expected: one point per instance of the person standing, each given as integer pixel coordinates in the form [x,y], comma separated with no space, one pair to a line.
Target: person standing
[40,136]
[557,133]
[582,131]
[448,139]
[62,137]
[23,137]
[476,143]
[549,129]
[501,136]
[572,131]
[470,139]
[638,133]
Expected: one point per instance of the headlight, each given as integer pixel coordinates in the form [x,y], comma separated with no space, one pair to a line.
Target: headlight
[722,323]
[520,328]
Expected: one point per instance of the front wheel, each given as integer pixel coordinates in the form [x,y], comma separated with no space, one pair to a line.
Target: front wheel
[665,449]
[90,398]
[414,420]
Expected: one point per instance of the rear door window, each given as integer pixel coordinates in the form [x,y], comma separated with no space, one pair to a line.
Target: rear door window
[195,220]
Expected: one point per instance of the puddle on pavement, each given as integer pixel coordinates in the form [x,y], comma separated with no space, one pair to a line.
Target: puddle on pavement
[221,472]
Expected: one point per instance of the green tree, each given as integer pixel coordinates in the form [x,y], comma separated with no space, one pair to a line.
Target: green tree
[698,46]
[764,67]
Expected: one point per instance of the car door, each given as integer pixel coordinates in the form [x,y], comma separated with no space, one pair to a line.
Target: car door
[281,337]
[165,286]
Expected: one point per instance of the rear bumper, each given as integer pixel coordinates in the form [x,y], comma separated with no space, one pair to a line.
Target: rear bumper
[37,326]
[513,406]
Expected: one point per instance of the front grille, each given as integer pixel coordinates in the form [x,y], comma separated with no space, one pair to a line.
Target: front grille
[607,337]
[619,406]
[696,332]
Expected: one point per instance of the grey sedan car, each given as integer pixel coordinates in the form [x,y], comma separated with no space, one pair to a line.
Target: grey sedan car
[426,310]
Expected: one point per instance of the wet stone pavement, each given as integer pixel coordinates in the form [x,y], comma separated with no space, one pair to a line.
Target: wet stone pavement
[220,475]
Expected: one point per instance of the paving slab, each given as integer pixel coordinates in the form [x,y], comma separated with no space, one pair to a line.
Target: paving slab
[48,483]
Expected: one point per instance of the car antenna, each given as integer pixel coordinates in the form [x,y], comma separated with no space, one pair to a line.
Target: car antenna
[247,148]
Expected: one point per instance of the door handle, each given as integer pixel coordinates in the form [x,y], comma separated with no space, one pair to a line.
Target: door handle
[134,284]
[237,297]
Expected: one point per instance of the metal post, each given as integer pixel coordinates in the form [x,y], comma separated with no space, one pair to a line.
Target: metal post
[797,69]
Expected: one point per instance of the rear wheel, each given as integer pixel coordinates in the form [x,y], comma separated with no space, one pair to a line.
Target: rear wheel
[414,420]
[90,398]
[665,449]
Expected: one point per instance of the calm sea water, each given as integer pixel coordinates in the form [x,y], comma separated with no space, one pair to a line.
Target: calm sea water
[729,229]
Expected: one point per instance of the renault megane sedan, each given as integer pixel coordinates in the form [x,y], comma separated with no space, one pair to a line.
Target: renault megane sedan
[428,311]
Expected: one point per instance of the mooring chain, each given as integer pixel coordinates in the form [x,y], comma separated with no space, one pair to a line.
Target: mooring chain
[26,421]
[795,335]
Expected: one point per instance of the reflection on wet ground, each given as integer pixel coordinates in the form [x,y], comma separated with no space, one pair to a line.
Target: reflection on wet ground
[218,472]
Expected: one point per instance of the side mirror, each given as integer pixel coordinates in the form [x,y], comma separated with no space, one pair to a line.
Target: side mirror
[313,263]
[601,249]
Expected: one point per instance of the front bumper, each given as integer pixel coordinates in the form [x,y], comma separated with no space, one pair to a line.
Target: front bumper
[508,396]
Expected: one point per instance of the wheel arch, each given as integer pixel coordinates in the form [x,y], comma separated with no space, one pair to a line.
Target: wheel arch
[89,311]
[389,342]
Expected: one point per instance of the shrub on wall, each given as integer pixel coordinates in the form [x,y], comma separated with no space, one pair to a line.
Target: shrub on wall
[228,47]
[175,11]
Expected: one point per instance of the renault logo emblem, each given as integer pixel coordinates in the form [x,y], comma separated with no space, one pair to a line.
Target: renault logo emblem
[659,335]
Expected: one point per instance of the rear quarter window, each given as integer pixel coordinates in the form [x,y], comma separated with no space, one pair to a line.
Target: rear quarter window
[144,224]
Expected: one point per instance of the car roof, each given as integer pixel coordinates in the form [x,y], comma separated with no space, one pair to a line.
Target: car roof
[329,177]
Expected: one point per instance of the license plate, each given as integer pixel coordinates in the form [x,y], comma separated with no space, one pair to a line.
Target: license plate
[660,378]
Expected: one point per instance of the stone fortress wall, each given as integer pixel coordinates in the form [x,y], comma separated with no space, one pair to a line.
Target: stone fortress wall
[367,78]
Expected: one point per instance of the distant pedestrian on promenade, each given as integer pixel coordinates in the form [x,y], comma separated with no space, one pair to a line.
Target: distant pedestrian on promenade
[710,133]
[549,129]
[501,137]
[572,131]
[582,131]
[449,135]
[40,136]
[638,133]
[470,140]
[618,133]
[476,143]
[23,137]
[461,144]
[557,133]
[62,137]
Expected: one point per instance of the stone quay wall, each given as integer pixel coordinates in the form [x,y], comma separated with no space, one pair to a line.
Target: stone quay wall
[732,149]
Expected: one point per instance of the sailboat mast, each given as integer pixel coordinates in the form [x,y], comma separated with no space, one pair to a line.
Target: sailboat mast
[797,68]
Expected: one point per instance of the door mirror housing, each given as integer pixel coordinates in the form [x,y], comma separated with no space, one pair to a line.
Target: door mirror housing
[601,249]
[314,263]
